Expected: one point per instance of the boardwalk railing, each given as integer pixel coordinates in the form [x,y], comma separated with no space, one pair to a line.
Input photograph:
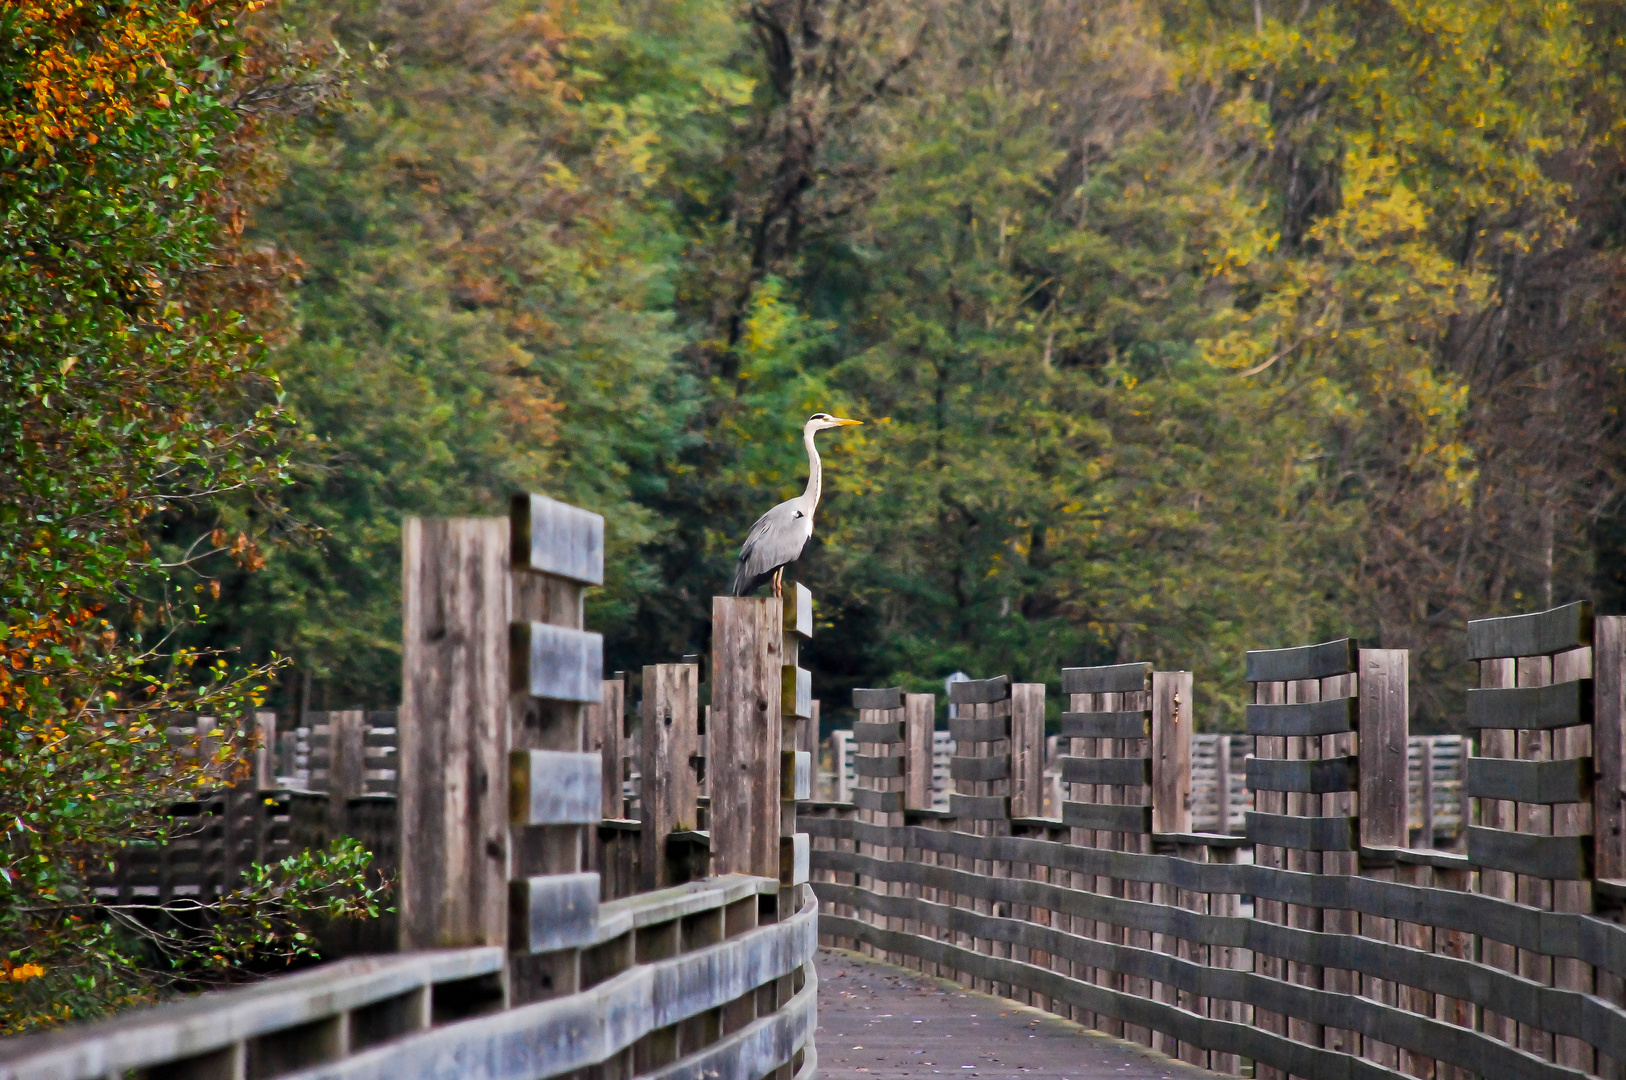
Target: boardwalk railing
[1318,944]
[521,955]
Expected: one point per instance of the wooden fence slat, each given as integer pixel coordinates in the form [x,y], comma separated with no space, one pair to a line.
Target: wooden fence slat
[454,733]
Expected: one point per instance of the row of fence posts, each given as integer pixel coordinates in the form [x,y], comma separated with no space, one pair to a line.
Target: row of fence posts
[1329,775]
[501,679]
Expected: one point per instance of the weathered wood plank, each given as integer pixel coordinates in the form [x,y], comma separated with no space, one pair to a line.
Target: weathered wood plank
[603,734]
[795,692]
[1170,778]
[979,728]
[885,699]
[1539,634]
[1532,708]
[795,776]
[745,732]
[1110,679]
[1303,662]
[1609,743]
[1133,724]
[555,787]
[1105,817]
[1131,772]
[1566,858]
[885,802]
[1316,776]
[669,749]
[556,538]
[980,769]
[1027,749]
[980,807]
[980,691]
[878,766]
[798,610]
[1302,719]
[564,1035]
[885,731]
[151,1038]
[552,912]
[1304,833]
[1567,780]
[920,714]
[557,663]
[454,733]
[758,1048]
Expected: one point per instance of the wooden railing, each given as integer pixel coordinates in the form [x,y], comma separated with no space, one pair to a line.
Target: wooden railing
[521,956]
[1317,945]
[674,983]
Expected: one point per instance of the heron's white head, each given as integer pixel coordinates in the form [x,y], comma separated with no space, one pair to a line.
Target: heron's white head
[824,422]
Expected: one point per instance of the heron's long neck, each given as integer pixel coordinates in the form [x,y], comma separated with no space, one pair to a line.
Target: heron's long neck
[815,474]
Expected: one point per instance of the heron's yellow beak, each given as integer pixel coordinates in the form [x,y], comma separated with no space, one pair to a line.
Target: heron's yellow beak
[847,423]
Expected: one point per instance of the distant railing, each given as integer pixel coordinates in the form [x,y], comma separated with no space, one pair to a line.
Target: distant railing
[1317,944]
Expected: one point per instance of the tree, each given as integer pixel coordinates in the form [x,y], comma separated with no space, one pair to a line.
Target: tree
[135,390]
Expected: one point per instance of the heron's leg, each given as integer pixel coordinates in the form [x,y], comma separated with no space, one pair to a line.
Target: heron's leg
[778,577]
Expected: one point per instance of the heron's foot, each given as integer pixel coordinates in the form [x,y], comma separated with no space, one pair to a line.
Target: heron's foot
[778,583]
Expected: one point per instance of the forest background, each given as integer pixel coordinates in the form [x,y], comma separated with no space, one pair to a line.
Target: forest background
[1179,327]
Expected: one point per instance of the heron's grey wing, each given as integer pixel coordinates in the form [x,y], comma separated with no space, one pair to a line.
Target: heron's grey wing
[777,538]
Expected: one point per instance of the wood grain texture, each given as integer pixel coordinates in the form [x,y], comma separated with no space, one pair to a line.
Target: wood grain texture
[980,691]
[1538,634]
[1134,724]
[745,733]
[1172,722]
[1110,679]
[1384,704]
[1302,662]
[603,734]
[454,733]
[1027,749]
[1609,744]
[920,714]
[1532,708]
[558,539]
[669,748]
[1320,776]
[1302,719]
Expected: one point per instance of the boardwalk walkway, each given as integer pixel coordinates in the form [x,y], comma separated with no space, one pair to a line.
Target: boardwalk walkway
[876,1020]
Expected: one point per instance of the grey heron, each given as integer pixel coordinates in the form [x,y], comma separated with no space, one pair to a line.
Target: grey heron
[778,537]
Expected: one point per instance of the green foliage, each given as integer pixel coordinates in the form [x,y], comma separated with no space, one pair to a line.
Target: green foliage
[88,958]
[485,306]
[135,390]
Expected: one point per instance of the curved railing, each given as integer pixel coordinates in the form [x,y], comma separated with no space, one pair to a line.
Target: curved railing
[698,980]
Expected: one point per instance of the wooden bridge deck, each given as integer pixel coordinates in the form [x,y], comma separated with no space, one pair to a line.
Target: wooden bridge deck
[881,1021]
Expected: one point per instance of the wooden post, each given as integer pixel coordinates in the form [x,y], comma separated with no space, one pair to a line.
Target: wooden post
[604,737]
[669,753]
[795,708]
[1382,798]
[347,768]
[1222,783]
[1609,745]
[1171,751]
[1027,750]
[454,733]
[745,734]
[1426,791]
[556,669]
[841,748]
[1609,792]
[265,751]
[919,716]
